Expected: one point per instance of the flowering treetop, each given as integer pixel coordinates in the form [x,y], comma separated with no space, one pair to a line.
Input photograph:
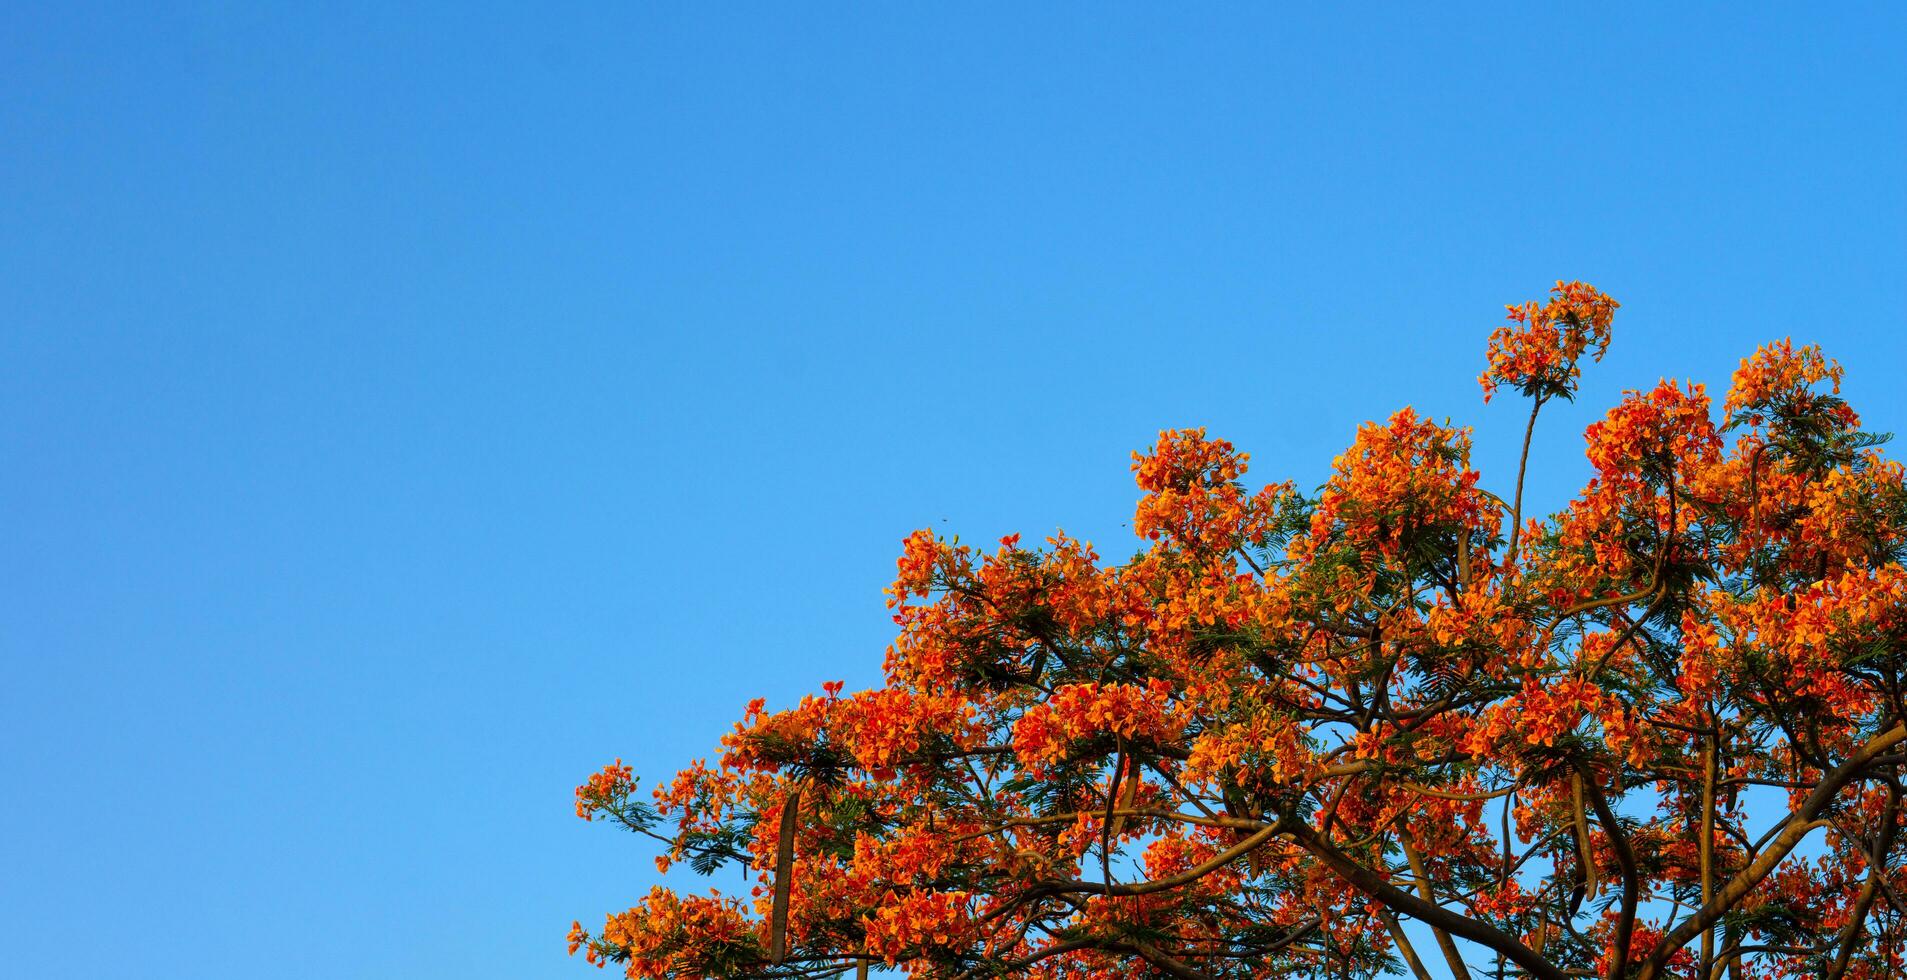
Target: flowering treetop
[1294,723]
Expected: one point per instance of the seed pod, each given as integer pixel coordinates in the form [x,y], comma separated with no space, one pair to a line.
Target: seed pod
[784,877]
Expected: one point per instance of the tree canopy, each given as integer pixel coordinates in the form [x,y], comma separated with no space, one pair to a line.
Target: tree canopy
[1391,726]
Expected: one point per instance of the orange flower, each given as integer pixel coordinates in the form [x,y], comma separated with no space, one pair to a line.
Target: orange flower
[604,789]
[1646,435]
[1082,711]
[1399,482]
[918,919]
[1193,496]
[1539,352]
[1775,378]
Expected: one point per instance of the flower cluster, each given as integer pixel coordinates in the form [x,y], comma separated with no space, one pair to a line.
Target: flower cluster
[764,741]
[1778,378]
[1809,635]
[1649,433]
[882,728]
[1538,351]
[1260,748]
[1543,713]
[1193,496]
[925,563]
[917,919]
[1077,712]
[671,935]
[1485,620]
[1401,480]
[605,790]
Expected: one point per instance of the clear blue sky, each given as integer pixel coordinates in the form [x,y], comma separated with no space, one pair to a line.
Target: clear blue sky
[406,413]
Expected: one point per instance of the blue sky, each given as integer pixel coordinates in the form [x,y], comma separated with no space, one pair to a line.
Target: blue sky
[405,413]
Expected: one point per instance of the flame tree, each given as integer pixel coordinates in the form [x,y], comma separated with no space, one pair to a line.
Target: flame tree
[1659,734]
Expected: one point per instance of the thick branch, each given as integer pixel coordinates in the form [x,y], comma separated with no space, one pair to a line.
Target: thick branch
[1188,876]
[1371,883]
[1876,871]
[1417,867]
[1798,825]
[1626,860]
[1522,465]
